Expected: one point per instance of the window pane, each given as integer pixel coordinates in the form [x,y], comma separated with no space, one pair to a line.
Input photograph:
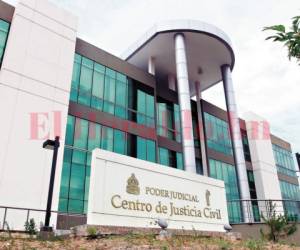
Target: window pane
[94,138]
[111,73]
[121,98]
[63,205]
[150,110]
[217,133]
[97,91]
[141,107]
[151,153]
[199,167]
[86,78]
[87,182]
[164,156]
[107,138]
[226,172]
[78,157]
[119,142]
[121,77]
[284,160]
[65,175]
[141,148]
[77,175]
[70,130]
[75,206]
[179,161]
[177,122]
[81,133]
[109,95]
[4,26]
[76,72]
[162,126]
[99,68]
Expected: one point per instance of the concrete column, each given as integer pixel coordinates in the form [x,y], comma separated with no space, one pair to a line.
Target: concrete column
[185,104]
[236,137]
[263,162]
[201,129]
[151,66]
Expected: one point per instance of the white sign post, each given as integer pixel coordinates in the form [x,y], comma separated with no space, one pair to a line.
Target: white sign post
[125,191]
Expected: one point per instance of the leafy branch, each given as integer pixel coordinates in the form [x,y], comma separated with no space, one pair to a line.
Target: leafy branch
[290,38]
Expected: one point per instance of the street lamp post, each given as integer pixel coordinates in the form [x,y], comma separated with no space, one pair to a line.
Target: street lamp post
[52,145]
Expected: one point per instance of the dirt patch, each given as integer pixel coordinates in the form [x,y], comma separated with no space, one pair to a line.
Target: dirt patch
[131,241]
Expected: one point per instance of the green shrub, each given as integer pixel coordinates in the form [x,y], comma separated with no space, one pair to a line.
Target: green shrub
[279,225]
[30,227]
[92,233]
[254,244]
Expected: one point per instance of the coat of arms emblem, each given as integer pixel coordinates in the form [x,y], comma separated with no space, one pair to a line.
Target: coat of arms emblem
[133,185]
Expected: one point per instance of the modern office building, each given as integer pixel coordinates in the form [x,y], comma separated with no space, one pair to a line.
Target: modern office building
[146,104]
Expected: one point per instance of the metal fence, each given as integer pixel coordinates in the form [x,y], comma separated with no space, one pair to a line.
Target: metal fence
[14,218]
[255,210]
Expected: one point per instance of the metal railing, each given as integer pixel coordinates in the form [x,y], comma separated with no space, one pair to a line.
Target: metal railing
[14,218]
[256,210]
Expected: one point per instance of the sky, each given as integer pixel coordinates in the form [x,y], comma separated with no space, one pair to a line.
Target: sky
[266,82]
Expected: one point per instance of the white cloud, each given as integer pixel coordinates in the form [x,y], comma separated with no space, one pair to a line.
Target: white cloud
[265,81]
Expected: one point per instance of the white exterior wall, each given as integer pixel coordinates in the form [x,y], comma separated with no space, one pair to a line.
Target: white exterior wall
[264,167]
[35,77]
[108,189]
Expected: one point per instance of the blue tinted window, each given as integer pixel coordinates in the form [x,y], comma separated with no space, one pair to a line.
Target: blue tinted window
[168,121]
[217,134]
[4,27]
[81,133]
[284,160]
[107,90]
[145,149]
[164,156]
[226,172]
[290,192]
[120,142]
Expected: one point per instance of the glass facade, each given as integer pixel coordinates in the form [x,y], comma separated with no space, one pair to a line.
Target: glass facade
[246,147]
[217,134]
[170,158]
[107,90]
[291,192]
[4,29]
[252,189]
[104,89]
[226,172]
[168,120]
[284,161]
[82,137]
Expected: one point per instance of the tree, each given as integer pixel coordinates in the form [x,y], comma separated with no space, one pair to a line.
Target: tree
[279,225]
[290,38]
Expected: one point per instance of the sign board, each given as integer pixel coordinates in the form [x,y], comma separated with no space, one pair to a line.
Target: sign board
[125,191]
